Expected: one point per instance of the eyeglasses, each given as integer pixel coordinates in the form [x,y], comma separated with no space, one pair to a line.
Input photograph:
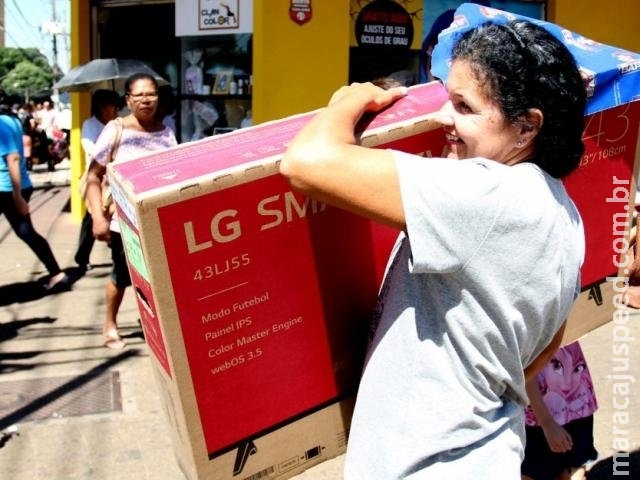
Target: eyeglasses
[136,97]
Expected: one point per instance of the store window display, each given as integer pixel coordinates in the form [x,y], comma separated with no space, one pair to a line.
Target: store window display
[193,77]
[216,85]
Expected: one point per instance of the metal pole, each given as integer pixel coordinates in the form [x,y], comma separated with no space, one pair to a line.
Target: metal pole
[54,35]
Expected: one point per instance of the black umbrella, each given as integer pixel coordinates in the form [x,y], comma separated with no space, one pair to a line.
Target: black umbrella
[106,73]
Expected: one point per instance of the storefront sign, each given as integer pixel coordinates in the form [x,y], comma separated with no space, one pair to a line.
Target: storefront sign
[214,14]
[300,11]
[212,17]
[384,24]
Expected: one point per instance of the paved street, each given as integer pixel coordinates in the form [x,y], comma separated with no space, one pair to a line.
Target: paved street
[72,409]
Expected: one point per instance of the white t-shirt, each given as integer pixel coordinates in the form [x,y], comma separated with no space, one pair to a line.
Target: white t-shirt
[484,277]
[91,129]
[47,120]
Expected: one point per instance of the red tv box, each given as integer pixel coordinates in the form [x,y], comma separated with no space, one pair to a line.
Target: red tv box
[253,299]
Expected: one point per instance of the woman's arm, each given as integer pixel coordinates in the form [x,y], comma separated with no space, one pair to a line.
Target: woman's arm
[557,437]
[324,162]
[88,146]
[93,197]
[532,370]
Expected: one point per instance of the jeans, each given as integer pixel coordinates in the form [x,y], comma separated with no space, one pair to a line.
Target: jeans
[85,241]
[21,224]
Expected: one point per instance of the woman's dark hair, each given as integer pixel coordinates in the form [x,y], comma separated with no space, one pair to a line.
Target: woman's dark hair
[522,66]
[101,97]
[131,79]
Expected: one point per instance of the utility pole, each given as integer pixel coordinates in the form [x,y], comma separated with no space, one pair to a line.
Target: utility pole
[54,28]
[54,36]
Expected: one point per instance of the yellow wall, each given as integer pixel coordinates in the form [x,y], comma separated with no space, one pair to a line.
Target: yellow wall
[296,68]
[80,102]
[611,22]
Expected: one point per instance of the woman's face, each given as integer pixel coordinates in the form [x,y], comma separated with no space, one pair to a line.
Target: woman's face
[474,124]
[142,99]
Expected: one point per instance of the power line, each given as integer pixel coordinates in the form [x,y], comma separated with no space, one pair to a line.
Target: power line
[17,7]
[43,36]
[15,12]
[2,27]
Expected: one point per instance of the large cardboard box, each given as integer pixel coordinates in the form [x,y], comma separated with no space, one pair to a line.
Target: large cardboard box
[253,299]
[604,189]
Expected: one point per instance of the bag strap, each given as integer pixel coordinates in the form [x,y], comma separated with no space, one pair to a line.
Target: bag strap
[116,142]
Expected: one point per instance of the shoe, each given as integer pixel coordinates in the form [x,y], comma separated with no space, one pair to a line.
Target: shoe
[58,283]
[112,340]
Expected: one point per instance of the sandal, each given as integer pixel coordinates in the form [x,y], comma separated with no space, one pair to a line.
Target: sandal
[112,340]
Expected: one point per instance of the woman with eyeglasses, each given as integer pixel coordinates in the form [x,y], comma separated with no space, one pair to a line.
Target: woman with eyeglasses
[141,132]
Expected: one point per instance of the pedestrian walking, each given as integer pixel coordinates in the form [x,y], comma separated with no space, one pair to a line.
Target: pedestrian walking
[133,135]
[16,190]
[104,108]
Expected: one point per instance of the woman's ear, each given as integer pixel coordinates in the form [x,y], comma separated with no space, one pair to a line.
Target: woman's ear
[531,123]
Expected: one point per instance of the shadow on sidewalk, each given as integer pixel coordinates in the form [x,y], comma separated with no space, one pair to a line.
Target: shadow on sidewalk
[626,464]
[22,292]
[10,330]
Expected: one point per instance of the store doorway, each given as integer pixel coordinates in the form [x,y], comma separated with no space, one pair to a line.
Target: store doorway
[144,32]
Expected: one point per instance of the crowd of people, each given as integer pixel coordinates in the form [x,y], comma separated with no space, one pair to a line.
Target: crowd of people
[464,367]
[45,132]
[145,115]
